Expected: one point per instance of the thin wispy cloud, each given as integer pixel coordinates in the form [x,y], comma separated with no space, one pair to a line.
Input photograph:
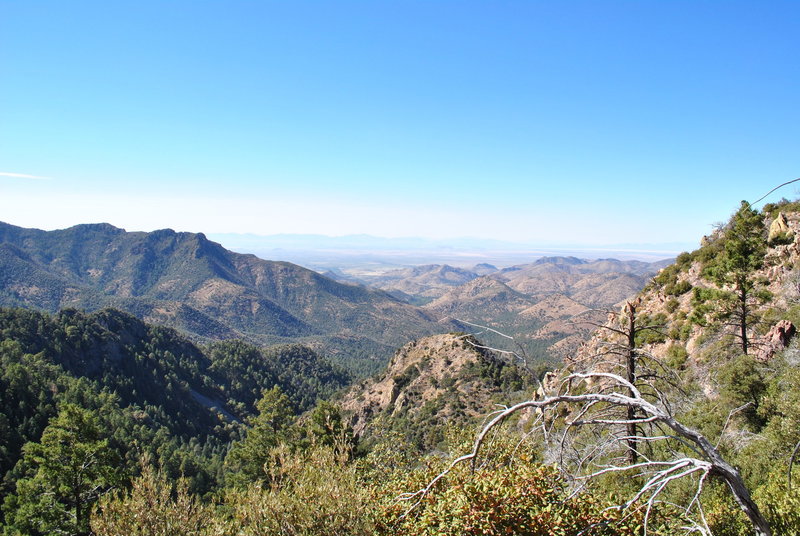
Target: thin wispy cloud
[21,176]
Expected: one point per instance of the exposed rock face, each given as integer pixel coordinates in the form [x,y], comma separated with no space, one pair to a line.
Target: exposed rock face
[779,228]
[778,338]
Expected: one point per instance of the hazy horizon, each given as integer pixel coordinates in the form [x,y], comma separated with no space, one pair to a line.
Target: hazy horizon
[326,252]
[321,252]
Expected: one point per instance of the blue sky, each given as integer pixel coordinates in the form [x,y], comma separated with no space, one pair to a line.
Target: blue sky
[544,122]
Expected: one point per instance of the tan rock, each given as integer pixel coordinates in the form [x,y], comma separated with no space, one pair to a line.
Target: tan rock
[779,227]
[778,338]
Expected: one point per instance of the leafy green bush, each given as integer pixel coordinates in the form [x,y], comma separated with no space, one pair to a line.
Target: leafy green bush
[743,384]
[784,205]
[654,335]
[667,276]
[684,260]
[781,505]
[154,506]
[672,305]
[520,498]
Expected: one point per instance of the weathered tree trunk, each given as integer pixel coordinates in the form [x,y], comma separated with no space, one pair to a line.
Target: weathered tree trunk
[743,319]
[728,473]
[631,377]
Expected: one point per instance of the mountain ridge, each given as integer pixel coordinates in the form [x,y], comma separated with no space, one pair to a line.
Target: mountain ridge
[186,281]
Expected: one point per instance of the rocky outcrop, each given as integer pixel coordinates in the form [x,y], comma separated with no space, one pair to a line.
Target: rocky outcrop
[779,229]
[778,338]
[685,344]
[436,379]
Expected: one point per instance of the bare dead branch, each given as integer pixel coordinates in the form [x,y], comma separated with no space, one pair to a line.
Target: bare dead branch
[728,420]
[522,356]
[619,392]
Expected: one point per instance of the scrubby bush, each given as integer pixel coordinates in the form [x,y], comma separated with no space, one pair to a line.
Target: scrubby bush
[676,356]
[516,497]
[314,493]
[154,506]
[678,289]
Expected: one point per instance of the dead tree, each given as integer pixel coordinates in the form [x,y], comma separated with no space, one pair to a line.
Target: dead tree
[587,406]
[628,330]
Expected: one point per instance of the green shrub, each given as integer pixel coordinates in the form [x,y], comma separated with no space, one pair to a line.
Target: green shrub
[655,335]
[668,276]
[742,383]
[671,305]
[316,493]
[784,205]
[523,499]
[781,505]
[154,506]
[685,331]
[676,356]
[684,259]
[678,289]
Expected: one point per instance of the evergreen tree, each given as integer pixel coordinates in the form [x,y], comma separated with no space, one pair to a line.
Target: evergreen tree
[68,470]
[327,428]
[735,267]
[249,459]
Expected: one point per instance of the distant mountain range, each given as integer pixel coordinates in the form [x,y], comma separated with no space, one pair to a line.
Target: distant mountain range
[548,305]
[186,281]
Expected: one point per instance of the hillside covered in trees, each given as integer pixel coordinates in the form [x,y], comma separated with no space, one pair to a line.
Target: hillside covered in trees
[132,390]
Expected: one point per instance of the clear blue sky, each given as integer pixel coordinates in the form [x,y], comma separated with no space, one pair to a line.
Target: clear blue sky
[548,122]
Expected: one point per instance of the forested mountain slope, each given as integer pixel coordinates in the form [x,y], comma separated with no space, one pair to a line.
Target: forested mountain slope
[151,390]
[185,281]
[711,339]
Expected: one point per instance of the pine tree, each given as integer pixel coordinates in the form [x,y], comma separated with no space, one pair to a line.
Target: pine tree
[69,469]
[248,459]
[735,268]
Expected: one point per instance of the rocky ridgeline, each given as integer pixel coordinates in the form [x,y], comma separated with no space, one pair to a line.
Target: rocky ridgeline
[434,380]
